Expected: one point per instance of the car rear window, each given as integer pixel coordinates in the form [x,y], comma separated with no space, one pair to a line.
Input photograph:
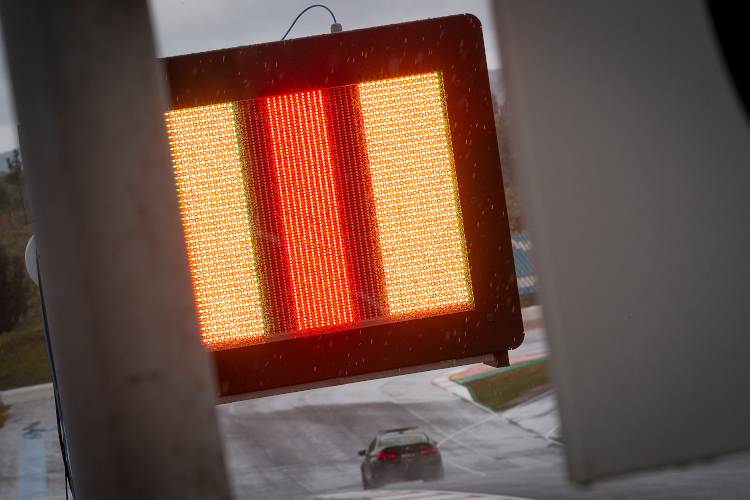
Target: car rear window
[403,439]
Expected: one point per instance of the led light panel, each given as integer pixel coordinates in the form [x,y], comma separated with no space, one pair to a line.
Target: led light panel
[416,197]
[213,202]
[309,208]
[321,210]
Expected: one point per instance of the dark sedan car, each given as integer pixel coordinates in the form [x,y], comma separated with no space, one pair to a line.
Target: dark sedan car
[400,455]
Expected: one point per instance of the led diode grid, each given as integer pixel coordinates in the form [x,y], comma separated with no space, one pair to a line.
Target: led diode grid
[310,211]
[213,203]
[389,137]
[416,195]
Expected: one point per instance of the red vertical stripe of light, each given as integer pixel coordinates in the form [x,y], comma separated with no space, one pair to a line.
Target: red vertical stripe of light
[310,211]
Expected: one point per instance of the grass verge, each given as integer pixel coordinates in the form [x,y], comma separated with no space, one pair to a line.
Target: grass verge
[23,358]
[23,354]
[3,416]
[510,386]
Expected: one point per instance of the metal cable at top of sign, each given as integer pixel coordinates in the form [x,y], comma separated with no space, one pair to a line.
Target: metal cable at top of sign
[335,27]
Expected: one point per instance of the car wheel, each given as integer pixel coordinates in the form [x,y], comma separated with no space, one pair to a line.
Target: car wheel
[366,485]
[435,476]
[375,483]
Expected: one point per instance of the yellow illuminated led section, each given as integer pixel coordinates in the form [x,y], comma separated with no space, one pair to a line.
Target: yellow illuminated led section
[415,195]
[210,182]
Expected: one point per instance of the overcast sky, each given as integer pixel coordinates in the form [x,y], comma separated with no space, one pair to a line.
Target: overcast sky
[186,26]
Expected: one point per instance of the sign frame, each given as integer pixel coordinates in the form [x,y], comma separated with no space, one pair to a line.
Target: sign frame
[454,47]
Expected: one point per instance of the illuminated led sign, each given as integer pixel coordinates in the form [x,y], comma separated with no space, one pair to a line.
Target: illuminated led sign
[366,226]
[339,193]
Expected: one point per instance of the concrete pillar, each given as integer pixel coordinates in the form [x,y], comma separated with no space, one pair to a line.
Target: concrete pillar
[136,386]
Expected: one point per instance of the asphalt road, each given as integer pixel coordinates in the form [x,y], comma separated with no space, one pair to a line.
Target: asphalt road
[304,445]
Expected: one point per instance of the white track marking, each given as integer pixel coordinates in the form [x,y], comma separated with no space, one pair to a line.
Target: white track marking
[465,468]
[467,428]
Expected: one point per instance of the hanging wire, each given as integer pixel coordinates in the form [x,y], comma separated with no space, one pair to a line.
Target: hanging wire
[58,410]
[310,7]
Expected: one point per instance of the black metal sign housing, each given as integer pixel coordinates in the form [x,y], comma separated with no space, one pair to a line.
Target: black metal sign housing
[341,74]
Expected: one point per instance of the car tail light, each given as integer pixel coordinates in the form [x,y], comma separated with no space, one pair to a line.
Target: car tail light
[431,449]
[382,455]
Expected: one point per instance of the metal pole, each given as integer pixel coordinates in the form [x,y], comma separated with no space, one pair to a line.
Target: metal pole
[136,387]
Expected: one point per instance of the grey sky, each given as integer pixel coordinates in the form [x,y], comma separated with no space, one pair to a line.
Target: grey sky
[186,26]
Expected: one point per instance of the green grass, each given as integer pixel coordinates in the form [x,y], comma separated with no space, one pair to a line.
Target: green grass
[23,358]
[23,353]
[3,416]
[528,300]
[509,386]
[14,233]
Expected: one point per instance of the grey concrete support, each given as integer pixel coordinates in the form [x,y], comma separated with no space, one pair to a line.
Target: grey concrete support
[136,385]
[633,148]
